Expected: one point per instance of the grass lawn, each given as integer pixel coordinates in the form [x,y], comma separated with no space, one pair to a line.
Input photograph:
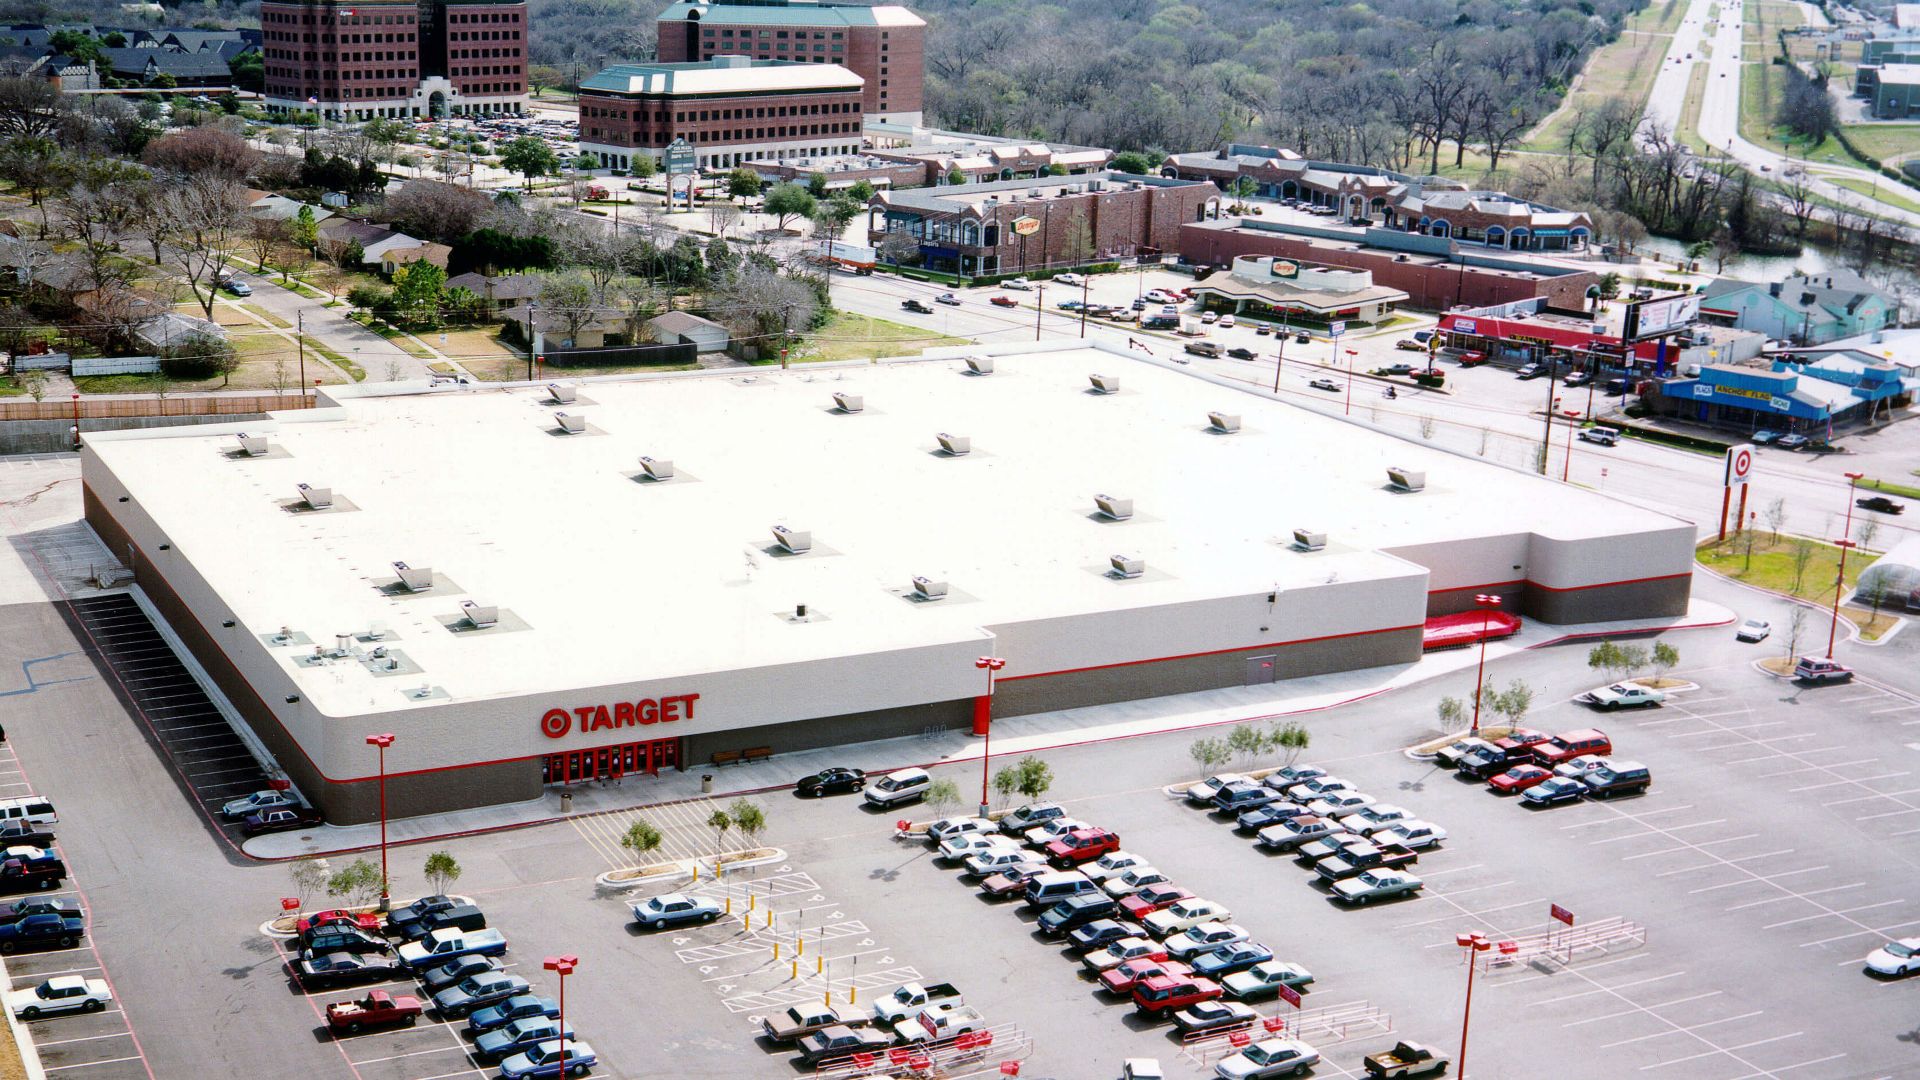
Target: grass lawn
[1660,17]
[862,337]
[1771,567]
[269,317]
[1884,141]
[1881,192]
[1760,86]
[1689,132]
[1905,491]
[480,351]
[1624,69]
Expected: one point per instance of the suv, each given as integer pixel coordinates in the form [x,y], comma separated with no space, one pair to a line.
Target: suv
[1030,816]
[1077,911]
[1813,669]
[1206,348]
[1163,995]
[1617,778]
[1572,744]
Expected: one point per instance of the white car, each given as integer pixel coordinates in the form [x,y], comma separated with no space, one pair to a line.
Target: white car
[1070,279]
[1316,788]
[1119,952]
[1269,1057]
[1360,817]
[1895,957]
[967,845]
[1053,830]
[990,861]
[62,993]
[1018,284]
[1135,879]
[1338,803]
[1577,767]
[1184,915]
[1622,696]
[1754,630]
[1408,833]
[1226,322]
[1209,317]
[1205,938]
[1204,791]
[1112,864]
[948,828]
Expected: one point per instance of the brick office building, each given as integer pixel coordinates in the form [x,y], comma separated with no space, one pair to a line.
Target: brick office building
[883,44]
[730,108]
[1011,226]
[359,61]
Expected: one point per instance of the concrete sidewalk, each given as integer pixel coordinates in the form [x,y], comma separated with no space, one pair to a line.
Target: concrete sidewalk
[1012,737]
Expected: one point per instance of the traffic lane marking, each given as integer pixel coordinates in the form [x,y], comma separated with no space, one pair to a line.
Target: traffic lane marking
[1777,899]
[1881,931]
[1603,989]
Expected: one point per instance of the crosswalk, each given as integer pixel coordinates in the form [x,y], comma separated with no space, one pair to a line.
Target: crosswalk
[683,830]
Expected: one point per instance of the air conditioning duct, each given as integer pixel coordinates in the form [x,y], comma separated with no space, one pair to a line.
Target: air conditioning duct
[1106,384]
[956,445]
[255,445]
[1226,422]
[849,403]
[571,423]
[792,541]
[661,469]
[317,498]
[1114,507]
[564,393]
[980,365]
[1126,566]
[414,579]
[480,615]
[928,589]
[1309,539]
[1407,479]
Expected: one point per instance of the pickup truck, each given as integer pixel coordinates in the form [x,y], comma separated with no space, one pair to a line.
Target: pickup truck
[1358,857]
[909,998]
[377,1009]
[1405,1059]
[36,931]
[802,1020]
[932,1025]
[26,875]
[444,945]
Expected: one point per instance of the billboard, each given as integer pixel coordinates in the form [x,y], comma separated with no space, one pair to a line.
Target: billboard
[1650,318]
[1025,226]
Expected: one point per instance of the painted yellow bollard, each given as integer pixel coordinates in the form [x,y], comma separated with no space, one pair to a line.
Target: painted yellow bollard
[751,900]
[819,965]
[799,945]
[729,902]
[827,998]
[796,970]
[853,995]
[776,950]
[769,920]
[696,871]
[746,923]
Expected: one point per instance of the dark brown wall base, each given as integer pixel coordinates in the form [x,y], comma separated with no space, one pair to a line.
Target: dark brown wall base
[833,730]
[1660,597]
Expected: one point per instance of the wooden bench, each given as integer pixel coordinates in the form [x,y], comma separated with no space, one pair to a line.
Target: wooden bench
[757,753]
[725,757]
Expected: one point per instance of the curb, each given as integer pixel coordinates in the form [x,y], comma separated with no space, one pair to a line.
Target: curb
[23,1039]
[687,869]
[267,928]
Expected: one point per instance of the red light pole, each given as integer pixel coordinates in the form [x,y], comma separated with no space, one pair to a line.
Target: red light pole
[1351,353]
[1487,603]
[1566,467]
[382,742]
[983,722]
[1474,944]
[1839,587]
[1853,479]
[564,965]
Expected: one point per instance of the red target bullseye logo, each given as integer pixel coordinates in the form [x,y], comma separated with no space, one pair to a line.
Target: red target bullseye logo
[1742,463]
[555,723]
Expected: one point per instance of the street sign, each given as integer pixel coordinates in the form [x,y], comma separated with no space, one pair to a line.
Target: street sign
[1336,329]
[1739,464]
[1289,995]
[1561,913]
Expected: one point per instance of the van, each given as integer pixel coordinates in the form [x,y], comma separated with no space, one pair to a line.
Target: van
[1208,349]
[1618,778]
[1077,911]
[1049,889]
[31,808]
[898,787]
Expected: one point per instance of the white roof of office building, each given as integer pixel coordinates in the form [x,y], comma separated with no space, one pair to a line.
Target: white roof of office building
[607,579]
[723,75]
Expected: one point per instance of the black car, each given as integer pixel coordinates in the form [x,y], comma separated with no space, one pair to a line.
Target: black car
[344,939]
[1303,338]
[66,909]
[916,306]
[832,781]
[1880,504]
[25,834]
[1242,354]
[336,968]
[405,920]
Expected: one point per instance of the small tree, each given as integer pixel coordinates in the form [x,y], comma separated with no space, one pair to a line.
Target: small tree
[1796,630]
[1006,782]
[1209,753]
[34,382]
[1513,702]
[357,883]
[1633,658]
[719,821]
[641,837]
[1605,658]
[309,875]
[1665,658]
[441,871]
[530,157]
[744,183]
[748,818]
[817,184]
[1036,777]
[789,201]
[1451,712]
[1747,538]
[1800,555]
[1868,531]
[942,794]
[1246,741]
[1776,516]
[955,176]
[1292,738]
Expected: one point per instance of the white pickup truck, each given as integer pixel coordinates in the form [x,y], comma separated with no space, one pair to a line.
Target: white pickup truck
[443,945]
[943,1022]
[909,998]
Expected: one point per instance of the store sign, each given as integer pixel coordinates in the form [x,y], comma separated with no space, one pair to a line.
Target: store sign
[1025,226]
[556,723]
[1284,269]
[1465,326]
[1779,404]
[1739,464]
[1740,391]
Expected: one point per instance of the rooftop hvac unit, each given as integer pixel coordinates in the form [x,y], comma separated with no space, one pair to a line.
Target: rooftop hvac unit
[316,498]
[480,615]
[1096,185]
[1309,540]
[657,470]
[1228,422]
[795,543]
[571,423]
[1106,384]
[927,589]
[955,444]
[849,403]
[1407,479]
[980,365]
[564,393]
[1116,508]
[255,445]
[415,579]
[1126,566]
[1033,193]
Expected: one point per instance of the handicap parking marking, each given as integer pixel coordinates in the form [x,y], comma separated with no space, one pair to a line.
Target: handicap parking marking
[763,941]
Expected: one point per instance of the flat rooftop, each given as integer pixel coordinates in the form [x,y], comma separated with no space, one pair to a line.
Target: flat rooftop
[603,578]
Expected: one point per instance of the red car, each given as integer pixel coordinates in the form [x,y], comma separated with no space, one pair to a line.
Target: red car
[320,920]
[1164,995]
[1518,779]
[1122,979]
[1004,301]
[1520,739]
[1141,904]
[1571,745]
[1082,845]
[377,1009]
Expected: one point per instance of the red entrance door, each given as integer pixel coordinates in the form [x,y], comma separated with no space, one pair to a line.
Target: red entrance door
[611,762]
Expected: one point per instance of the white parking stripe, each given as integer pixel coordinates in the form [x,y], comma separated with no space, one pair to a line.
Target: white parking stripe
[1727,1050]
[1832,914]
[89,1064]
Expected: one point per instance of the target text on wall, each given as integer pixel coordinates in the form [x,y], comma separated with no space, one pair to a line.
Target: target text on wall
[557,723]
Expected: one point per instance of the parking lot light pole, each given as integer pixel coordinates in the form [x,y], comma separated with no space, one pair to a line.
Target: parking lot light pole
[1853,481]
[382,742]
[1839,587]
[1474,944]
[1351,353]
[1566,467]
[983,722]
[1487,602]
[564,965]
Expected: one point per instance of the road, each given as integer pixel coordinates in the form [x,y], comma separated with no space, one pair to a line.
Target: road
[1719,123]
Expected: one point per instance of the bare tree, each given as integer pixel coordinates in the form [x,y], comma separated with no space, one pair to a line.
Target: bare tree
[1799,557]
[209,215]
[722,214]
[1796,191]
[762,303]
[265,238]
[1776,516]
[93,218]
[202,152]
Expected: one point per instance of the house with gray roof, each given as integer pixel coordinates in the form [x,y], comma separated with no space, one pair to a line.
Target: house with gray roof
[1809,309]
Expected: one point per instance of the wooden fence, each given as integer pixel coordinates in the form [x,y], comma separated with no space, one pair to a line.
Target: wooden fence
[109,408]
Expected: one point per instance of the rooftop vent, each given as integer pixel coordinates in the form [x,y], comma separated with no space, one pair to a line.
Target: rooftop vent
[1407,479]
[563,393]
[928,589]
[414,579]
[849,403]
[1309,539]
[657,470]
[571,423]
[1106,384]
[255,445]
[955,445]
[1126,566]
[480,616]
[317,498]
[1226,422]
[980,365]
[1116,508]
[794,543]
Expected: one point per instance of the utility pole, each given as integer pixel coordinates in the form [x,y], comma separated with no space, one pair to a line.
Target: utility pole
[300,335]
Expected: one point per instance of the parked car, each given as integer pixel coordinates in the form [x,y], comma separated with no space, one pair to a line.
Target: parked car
[518,1036]
[1327,846]
[377,1009]
[1268,1058]
[909,998]
[954,826]
[1209,317]
[1184,915]
[46,905]
[1204,938]
[237,287]
[1291,834]
[1754,630]
[1449,755]
[1529,371]
[1122,979]
[343,938]
[1792,442]
[1571,744]
[238,809]
[42,931]
[1074,912]
[958,849]
[1074,280]
[1405,1059]
[445,975]
[1617,778]
[62,993]
[1357,858]
[1265,979]
[1030,816]
[1232,959]
[1554,791]
[998,858]
[1316,787]
[1518,779]
[836,780]
[1151,898]
[1132,880]
[1047,832]
[836,1042]
[21,831]
[1623,696]
[1879,504]
[550,1059]
[1202,793]
[1303,338]
[798,1021]
[1577,767]
[1409,345]
[674,909]
[1338,803]
[477,992]
[1896,958]
[1100,933]
[1020,284]
[1812,669]
[443,945]
[1213,1015]
[1271,814]
[1374,814]
[336,968]
[1325,384]
[1081,845]
[1235,799]
[1112,865]
[1376,885]
[1013,880]
[518,1007]
[1576,379]
[1765,438]
[308,925]
[1282,779]
[1599,436]
[284,819]
[1164,995]
[1116,953]
[916,306]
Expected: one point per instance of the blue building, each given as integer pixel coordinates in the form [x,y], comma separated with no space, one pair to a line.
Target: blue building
[1806,310]
[1815,398]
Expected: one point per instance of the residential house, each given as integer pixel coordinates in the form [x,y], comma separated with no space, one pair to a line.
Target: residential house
[601,327]
[196,70]
[426,251]
[506,293]
[686,328]
[171,328]
[375,240]
[1808,310]
[268,206]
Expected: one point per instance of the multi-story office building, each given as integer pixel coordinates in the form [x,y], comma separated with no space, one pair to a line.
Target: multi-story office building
[395,58]
[883,44]
[731,109]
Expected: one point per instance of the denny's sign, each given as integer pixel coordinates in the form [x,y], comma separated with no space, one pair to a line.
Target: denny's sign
[556,723]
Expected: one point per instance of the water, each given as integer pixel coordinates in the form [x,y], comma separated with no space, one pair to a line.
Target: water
[1811,260]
